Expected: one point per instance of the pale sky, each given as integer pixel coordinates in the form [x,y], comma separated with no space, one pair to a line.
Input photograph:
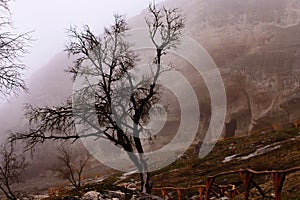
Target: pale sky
[50,19]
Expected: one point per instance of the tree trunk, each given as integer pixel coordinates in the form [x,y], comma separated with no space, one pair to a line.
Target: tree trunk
[145,183]
[144,174]
[141,164]
[7,194]
[143,167]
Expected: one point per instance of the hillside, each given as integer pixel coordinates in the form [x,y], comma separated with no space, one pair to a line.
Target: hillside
[254,43]
[268,151]
[256,46]
[282,152]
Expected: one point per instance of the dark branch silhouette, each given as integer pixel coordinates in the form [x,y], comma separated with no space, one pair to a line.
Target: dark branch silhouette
[12,48]
[110,103]
[71,164]
[11,167]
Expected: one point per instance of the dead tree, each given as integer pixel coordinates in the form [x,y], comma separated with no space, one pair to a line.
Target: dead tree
[71,163]
[121,106]
[11,167]
[12,48]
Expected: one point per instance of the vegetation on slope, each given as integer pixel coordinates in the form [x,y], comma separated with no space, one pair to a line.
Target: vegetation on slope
[190,171]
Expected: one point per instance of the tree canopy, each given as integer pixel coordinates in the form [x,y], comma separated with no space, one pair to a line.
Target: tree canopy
[12,47]
[109,101]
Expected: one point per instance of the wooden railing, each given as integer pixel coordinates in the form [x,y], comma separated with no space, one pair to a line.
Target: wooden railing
[247,178]
[224,190]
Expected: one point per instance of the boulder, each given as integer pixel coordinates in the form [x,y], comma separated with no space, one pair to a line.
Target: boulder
[196,197]
[91,195]
[114,195]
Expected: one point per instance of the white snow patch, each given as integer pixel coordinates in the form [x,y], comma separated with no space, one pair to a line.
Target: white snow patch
[125,175]
[261,151]
[40,196]
[229,158]
[258,152]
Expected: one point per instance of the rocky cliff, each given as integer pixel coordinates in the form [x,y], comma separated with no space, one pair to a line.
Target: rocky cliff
[254,43]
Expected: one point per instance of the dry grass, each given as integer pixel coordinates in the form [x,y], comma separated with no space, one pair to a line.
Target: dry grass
[189,170]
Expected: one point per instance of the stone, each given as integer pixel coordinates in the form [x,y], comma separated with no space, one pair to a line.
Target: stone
[91,195]
[116,194]
[196,197]
[133,197]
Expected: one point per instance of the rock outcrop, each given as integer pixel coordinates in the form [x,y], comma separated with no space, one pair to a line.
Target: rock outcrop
[256,45]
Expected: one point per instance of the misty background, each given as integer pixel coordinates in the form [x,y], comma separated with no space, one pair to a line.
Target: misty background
[255,44]
[49,21]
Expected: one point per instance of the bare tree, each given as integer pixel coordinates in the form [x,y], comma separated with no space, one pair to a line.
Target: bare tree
[72,162]
[122,106]
[12,47]
[11,167]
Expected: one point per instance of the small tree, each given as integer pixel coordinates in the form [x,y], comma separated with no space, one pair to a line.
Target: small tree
[11,167]
[122,107]
[71,164]
[12,47]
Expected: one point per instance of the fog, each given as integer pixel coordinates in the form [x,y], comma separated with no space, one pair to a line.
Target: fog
[49,21]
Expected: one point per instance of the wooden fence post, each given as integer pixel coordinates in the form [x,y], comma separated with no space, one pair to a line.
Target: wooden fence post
[163,193]
[278,180]
[296,123]
[209,183]
[275,127]
[246,179]
[179,193]
[200,190]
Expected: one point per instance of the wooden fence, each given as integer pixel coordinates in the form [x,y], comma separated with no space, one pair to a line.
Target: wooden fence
[245,175]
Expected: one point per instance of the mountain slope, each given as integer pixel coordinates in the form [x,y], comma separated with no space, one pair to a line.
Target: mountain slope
[268,151]
[281,151]
[255,44]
